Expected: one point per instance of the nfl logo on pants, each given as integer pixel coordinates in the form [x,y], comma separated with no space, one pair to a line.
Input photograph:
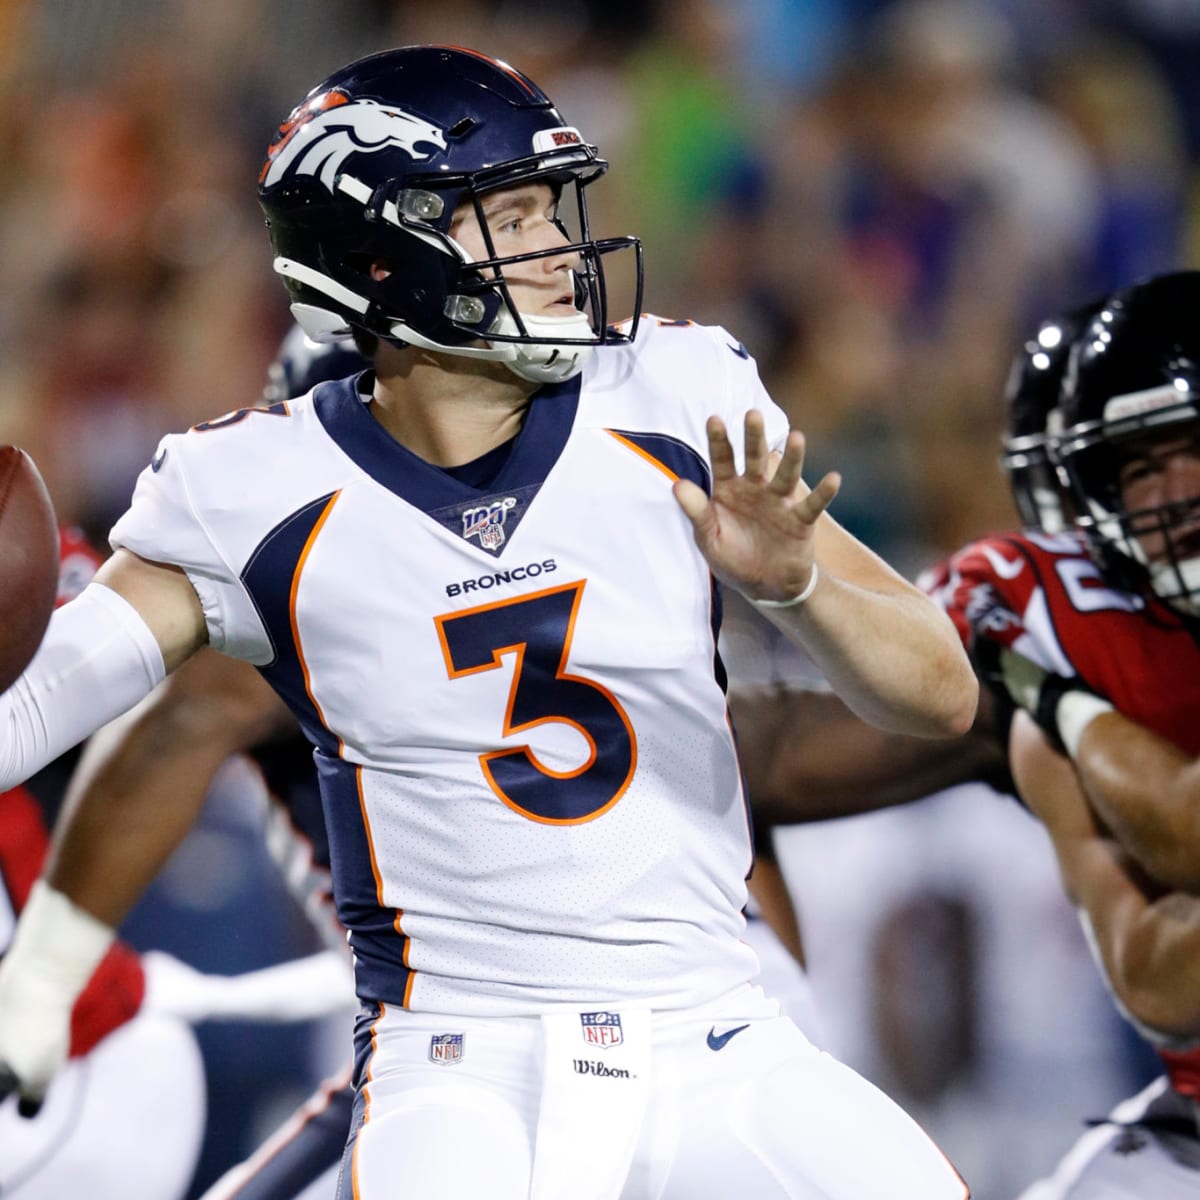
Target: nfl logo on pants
[601,1029]
[446,1048]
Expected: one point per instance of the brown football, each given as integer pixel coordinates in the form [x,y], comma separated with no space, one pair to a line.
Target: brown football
[28,562]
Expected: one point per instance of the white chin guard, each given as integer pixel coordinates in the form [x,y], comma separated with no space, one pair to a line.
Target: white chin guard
[540,362]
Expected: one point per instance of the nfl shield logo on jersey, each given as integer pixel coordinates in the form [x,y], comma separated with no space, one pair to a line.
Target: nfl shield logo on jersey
[601,1029]
[446,1048]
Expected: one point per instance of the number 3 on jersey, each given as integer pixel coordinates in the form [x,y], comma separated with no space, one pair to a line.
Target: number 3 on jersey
[538,629]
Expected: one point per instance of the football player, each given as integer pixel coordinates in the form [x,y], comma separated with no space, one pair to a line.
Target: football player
[126,1062]
[153,768]
[1095,640]
[485,577]
[1087,618]
[173,744]
[132,1052]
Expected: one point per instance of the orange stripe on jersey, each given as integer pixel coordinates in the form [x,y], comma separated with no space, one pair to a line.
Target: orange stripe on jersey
[654,462]
[366,1092]
[396,921]
[511,72]
[362,805]
[308,545]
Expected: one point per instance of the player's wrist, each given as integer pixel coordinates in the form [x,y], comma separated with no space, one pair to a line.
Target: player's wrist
[57,942]
[1076,710]
[796,600]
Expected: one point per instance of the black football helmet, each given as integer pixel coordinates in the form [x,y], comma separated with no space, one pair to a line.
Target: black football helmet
[1031,396]
[1132,388]
[373,164]
[300,364]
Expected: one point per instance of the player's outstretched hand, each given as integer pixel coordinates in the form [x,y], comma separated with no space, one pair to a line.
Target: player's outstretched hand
[756,530]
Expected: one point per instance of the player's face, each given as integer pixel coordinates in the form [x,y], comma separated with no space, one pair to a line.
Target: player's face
[1161,474]
[520,221]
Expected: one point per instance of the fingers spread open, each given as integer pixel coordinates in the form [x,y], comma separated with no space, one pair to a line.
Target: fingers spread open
[820,498]
[720,451]
[790,466]
[756,445]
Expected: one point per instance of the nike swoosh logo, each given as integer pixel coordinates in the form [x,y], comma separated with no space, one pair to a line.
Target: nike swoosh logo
[739,350]
[159,459]
[1004,567]
[716,1042]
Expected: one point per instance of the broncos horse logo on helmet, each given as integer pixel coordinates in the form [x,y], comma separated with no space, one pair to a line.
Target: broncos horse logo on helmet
[371,168]
[324,132]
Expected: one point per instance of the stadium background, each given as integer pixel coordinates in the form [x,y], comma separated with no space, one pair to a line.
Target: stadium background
[879,198]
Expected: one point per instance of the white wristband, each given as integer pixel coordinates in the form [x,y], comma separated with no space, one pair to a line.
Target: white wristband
[800,599]
[1075,712]
[53,954]
[58,940]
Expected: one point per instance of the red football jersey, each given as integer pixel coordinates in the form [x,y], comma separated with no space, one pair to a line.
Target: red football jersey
[1045,597]
[115,991]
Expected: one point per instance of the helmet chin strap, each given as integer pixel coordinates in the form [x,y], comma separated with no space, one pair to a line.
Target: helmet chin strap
[536,362]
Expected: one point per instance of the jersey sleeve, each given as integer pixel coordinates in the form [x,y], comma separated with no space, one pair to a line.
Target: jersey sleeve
[990,589]
[746,391]
[162,525]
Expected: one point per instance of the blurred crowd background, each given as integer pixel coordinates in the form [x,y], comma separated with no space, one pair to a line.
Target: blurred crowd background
[878,198]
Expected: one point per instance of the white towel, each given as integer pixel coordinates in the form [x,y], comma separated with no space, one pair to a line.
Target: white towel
[595,1087]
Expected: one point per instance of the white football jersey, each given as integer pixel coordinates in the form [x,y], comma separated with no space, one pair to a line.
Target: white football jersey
[530,780]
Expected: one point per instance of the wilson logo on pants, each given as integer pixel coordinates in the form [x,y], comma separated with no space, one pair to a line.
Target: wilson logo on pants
[584,1067]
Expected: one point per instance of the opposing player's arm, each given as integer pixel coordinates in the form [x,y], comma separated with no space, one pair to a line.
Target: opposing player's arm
[136,792]
[1148,937]
[1147,791]
[884,646]
[807,757]
[1144,788]
[142,780]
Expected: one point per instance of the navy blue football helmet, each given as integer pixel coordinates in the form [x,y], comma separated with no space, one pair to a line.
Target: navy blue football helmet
[373,164]
[1132,389]
[1031,396]
[300,364]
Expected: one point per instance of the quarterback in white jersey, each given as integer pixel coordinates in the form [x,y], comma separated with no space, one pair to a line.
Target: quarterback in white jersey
[486,578]
[494,675]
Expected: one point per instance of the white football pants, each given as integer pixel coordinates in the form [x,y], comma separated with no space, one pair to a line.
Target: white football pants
[725,1100]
